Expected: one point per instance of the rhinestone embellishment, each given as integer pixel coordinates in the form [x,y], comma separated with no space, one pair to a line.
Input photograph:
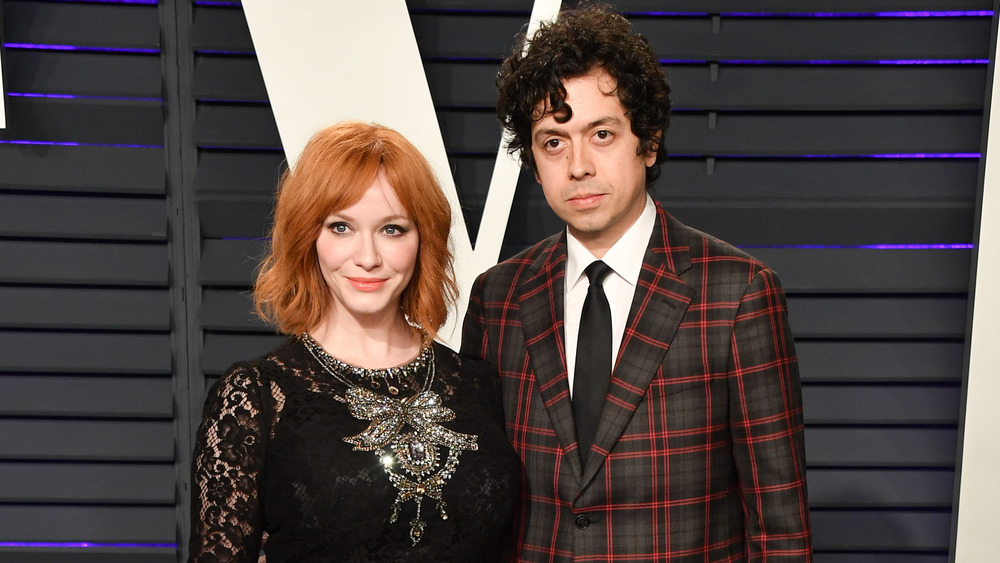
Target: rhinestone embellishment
[415,451]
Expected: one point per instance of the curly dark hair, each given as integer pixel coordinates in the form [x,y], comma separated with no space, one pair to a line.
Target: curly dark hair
[579,41]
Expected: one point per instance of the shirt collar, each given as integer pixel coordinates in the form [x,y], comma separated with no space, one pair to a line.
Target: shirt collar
[624,257]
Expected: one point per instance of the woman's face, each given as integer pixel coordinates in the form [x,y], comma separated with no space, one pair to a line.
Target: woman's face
[367,253]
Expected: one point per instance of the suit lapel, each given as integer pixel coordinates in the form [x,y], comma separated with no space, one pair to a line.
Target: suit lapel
[661,299]
[541,305]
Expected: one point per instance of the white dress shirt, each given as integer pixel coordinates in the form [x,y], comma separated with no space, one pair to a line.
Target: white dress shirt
[625,261]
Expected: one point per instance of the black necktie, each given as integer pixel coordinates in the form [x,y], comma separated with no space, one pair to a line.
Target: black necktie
[593,359]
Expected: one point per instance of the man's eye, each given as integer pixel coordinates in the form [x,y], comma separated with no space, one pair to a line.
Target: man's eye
[553,143]
[603,134]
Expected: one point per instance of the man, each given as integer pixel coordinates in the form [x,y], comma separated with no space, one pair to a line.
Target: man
[691,449]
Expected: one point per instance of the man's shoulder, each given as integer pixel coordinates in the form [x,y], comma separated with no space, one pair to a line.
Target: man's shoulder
[524,262]
[704,247]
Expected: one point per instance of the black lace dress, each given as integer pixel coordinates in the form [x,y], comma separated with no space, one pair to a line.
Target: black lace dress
[270,457]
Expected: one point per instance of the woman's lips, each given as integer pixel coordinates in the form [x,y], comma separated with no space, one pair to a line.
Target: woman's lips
[367,284]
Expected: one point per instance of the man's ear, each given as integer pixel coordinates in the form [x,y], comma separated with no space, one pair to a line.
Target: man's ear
[654,148]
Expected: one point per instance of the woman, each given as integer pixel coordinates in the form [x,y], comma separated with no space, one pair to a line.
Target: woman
[359,438]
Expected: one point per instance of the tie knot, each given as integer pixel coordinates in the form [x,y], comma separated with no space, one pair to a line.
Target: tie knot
[597,271]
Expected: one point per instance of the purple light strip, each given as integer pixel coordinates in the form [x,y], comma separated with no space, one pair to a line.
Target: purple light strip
[918,14]
[955,246]
[829,62]
[87,544]
[77,97]
[147,2]
[43,47]
[214,52]
[216,3]
[73,144]
[958,155]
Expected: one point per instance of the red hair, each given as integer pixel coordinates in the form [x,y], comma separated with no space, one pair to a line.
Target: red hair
[335,169]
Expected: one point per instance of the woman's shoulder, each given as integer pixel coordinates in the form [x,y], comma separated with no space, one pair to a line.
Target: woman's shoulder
[266,367]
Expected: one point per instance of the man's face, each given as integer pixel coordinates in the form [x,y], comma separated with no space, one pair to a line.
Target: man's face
[589,167]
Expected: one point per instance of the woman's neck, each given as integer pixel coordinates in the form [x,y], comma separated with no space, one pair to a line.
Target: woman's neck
[370,345]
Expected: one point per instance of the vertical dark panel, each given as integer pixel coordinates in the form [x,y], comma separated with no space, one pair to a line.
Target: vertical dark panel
[86,409]
[181,161]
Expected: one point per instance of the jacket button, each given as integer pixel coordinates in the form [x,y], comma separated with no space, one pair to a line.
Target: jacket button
[582,522]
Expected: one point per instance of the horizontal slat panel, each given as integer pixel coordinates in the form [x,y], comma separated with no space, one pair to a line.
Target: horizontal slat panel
[741,223]
[716,6]
[880,447]
[226,309]
[872,362]
[804,39]
[815,134]
[787,6]
[750,223]
[91,483]
[83,217]
[220,28]
[221,77]
[83,263]
[490,35]
[811,270]
[97,524]
[113,440]
[222,350]
[236,216]
[230,262]
[802,270]
[244,172]
[65,352]
[878,317]
[806,179]
[91,554]
[743,134]
[879,557]
[83,74]
[107,309]
[737,134]
[822,88]
[811,317]
[852,404]
[881,530]
[93,396]
[102,24]
[243,126]
[87,169]
[785,88]
[889,488]
[84,120]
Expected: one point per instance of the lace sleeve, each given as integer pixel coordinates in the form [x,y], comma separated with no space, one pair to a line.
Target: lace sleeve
[228,458]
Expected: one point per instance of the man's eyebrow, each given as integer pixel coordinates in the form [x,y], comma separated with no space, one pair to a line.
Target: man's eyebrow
[609,120]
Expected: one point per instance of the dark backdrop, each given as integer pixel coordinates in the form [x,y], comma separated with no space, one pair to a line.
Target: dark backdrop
[834,141]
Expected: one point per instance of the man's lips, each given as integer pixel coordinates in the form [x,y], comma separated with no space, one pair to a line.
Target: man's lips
[585,201]
[367,284]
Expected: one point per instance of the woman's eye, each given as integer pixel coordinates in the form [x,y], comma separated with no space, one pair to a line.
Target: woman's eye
[339,228]
[394,230]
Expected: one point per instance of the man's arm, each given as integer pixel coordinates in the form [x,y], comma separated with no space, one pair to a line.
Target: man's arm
[474,336]
[767,426]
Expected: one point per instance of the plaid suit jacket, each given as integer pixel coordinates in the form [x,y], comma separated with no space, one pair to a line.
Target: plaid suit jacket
[699,453]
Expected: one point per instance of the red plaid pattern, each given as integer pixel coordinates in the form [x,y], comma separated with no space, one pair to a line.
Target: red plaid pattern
[699,454]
